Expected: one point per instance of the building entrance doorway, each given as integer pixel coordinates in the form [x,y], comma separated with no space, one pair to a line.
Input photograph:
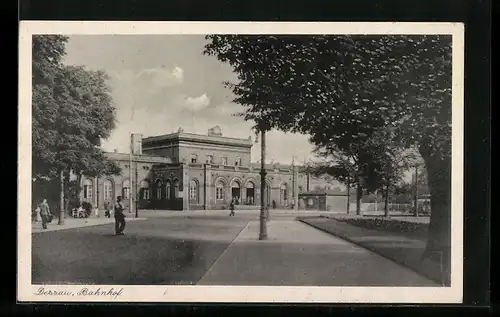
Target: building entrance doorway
[250,194]
[236,192]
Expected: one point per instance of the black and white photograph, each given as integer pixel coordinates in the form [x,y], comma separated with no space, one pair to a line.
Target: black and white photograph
[242,162]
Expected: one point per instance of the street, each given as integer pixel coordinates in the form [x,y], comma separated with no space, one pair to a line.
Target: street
[210,249]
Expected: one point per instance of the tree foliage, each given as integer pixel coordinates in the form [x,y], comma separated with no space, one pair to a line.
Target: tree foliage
[333,86]
[72,111]
[347,91]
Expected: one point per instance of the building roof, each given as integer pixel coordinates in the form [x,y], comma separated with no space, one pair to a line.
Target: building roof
[213,137]
[276,166]
[139,158]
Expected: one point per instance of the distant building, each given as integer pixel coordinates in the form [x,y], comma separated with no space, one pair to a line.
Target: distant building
[325,200]
[186,171]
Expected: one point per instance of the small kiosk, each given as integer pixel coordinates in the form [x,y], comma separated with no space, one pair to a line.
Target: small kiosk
[324,200]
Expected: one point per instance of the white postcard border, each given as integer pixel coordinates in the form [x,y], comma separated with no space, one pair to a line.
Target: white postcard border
[177,293]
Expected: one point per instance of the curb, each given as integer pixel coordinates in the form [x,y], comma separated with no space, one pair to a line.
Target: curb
[375,251]
[81,226]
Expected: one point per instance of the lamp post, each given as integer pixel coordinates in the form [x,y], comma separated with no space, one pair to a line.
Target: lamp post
[130,176]
[137,194]
[263,207]
[416,190]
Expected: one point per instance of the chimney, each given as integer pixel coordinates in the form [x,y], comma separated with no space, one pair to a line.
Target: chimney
[136,144]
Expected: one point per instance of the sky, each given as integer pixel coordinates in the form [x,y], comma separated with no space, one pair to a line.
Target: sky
[160,83]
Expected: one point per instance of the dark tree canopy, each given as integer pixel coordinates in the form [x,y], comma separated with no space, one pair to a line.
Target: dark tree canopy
[354,95]
[72,113]
[334,87]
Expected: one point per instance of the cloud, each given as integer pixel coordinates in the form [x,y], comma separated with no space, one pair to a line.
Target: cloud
[149,80]
[198,103]
[178,73]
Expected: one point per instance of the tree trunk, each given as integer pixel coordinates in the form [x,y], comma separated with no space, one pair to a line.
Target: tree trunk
[67,193]
[386,203]
[439,232]
[359,194]
[348,194]
[61,205]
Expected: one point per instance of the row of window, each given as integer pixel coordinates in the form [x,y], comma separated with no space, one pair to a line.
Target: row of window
[108,190]
[210,160]
[170,192]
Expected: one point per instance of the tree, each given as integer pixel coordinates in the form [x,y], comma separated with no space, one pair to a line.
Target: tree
[72,113]
[332,86]
[347,168]
[394,162]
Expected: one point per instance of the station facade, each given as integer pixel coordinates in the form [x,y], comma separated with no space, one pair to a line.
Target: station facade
[186,171]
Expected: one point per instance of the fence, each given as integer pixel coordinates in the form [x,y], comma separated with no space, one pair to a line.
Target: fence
[393,208]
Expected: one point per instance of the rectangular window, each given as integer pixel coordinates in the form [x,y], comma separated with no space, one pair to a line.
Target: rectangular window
[126,193]
[210,159]
[107,191]
[87,191]
[146,193]
[237,162]
[224,160]
[192,193]
[219,194]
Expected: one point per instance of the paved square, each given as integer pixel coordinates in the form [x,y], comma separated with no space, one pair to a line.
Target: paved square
[210,249]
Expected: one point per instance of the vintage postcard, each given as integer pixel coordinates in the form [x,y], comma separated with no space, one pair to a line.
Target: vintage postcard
[240,162]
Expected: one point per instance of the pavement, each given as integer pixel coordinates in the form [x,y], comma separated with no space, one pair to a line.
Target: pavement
[297,254]
[72,223]
[157,251]
[209,249]
[404,249]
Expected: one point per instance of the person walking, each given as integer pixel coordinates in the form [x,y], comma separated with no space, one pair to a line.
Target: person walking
[119,217]
[231,207]
[107,209]
[44,213]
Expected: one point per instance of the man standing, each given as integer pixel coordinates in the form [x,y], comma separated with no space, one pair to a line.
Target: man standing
[44,213]
[231,207]
[119,217]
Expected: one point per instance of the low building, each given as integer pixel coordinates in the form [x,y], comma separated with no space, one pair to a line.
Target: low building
[324,200]
[186,171]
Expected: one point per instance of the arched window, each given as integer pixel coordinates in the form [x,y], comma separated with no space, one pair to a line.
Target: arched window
[300,189]
[108,190]
[283,193]
[168,190]
[193,190]
[144,193]
[219,190]
[87,189]
[158,189]
[126,189]
[176,188]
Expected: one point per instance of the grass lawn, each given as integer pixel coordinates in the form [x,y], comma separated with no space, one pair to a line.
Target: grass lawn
[401,242]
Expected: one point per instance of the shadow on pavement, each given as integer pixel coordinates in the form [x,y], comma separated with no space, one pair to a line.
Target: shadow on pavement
[94,255]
